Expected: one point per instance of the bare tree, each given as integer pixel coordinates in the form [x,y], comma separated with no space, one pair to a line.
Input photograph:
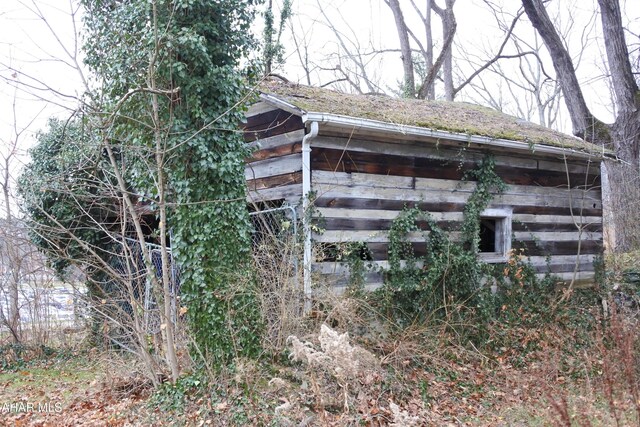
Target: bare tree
[444,61]
[623,135]
[112,210]
[521,87]
[15,248]
[409,85]
[352,60]
[427,61]
[300,37]
[446,56]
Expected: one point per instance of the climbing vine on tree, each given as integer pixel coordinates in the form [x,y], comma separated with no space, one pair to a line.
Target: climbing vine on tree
[170,100]
[63,188]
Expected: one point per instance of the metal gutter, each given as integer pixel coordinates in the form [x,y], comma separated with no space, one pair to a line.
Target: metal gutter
[353,123]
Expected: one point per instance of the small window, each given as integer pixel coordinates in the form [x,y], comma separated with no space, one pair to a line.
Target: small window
[488,234]
[495,234]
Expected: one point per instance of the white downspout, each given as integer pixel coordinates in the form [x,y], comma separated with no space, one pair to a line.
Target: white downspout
[306,189]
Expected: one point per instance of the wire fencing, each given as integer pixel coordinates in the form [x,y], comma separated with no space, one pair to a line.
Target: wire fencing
[132,266]
[129,304]
[274,235]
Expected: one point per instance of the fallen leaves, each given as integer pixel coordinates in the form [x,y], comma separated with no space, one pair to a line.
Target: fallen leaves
[68,393]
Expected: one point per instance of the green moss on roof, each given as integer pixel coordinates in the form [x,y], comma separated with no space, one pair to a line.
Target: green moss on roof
[457,117]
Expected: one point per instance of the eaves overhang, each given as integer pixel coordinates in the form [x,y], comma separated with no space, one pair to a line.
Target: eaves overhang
[352,125]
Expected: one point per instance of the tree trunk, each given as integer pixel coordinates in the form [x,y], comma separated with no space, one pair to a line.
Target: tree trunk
[428,57]
[626,128]
[624,133]
[448,27]
[409,85]
[14,284]
[170,328]
[268,57]
[584,124]
[445,57]
[13,256]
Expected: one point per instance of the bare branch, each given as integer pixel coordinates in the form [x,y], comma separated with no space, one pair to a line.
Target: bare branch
[497,56]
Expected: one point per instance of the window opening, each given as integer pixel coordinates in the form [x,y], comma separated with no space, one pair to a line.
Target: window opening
[487,235]
[495,234]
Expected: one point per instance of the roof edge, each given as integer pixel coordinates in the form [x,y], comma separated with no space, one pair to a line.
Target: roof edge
[375,125]
[282,104]
[379,126]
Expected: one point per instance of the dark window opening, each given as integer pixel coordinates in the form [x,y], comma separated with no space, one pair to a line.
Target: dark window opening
[265,205]
[342,252]
[495,234]
[327,252]
[363,252]
[488,235]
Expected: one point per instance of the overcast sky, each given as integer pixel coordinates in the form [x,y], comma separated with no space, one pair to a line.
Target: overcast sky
[372,24]
[34,47]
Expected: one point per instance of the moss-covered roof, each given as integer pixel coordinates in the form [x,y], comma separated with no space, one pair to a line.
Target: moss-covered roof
[457,117]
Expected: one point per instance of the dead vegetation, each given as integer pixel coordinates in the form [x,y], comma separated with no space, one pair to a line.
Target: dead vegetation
[345,364]
[342,374]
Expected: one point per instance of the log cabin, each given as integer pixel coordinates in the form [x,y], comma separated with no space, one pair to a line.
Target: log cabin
[357,160]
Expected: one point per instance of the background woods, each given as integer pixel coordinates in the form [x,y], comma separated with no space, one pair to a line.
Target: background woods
[540,61]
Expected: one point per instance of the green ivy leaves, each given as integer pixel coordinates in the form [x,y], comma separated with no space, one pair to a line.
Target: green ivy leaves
[448,276]
[191,49]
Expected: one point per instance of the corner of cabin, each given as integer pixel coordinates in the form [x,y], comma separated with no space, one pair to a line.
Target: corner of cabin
[274,168]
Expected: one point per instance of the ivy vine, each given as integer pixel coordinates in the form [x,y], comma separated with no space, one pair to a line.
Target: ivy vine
[190,51]
[488,184]
[446,279]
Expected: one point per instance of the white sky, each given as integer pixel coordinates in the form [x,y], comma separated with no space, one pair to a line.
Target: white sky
[38,79]
[34,48]
[372,24]
[42,50]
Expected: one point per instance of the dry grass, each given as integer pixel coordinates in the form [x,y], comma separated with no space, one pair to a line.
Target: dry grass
[279,288]
[415,376]
[350,366]
[342,383]
[590,386]
[85,388]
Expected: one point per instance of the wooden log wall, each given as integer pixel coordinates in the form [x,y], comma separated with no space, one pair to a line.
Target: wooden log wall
[363,184]
[274,169]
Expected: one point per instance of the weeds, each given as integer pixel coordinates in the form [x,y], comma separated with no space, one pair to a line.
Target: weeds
[17,356]
[345,381]
[503,349]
